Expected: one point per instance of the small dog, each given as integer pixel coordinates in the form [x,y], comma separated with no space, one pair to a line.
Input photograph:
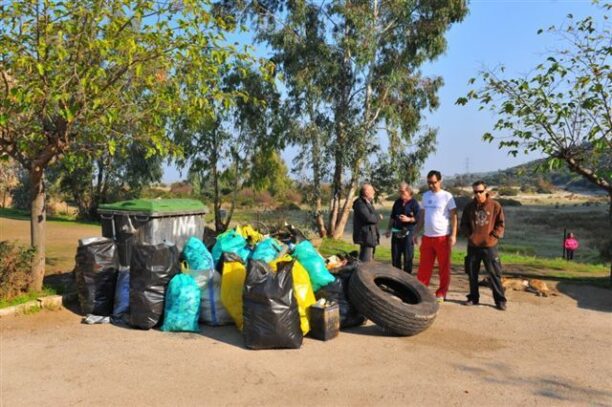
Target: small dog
[515,284]
[539,287]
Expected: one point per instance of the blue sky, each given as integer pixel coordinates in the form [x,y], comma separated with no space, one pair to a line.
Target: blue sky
[494,32]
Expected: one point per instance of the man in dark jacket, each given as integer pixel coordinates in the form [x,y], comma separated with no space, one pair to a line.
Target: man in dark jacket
[482,222]
[365,223]
[401,227]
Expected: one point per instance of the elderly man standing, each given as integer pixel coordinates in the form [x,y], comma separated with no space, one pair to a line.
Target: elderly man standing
[365,223]
[482,222]
[438,216]
[402,222]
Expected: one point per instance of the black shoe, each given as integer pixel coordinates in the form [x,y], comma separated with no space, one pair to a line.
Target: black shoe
[470,303]
[501,306]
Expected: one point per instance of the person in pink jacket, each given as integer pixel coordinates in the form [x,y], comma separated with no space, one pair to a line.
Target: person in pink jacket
[570,244]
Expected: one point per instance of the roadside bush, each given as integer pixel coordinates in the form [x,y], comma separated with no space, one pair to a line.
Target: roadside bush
[528,189]
[292,195]
[508,191]
[264,198]
[15,263]
[509,202]
[517,249]
[605,249]
[392,197]
[289,206]
[544,187]
[461,202]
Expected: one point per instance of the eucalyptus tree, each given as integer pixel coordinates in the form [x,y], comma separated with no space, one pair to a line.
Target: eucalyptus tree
[357,63]
[226,140]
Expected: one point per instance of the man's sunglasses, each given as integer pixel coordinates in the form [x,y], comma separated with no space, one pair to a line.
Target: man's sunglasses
[482,191]
[432,182]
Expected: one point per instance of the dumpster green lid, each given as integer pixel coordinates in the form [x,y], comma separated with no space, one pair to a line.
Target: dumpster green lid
[156,206]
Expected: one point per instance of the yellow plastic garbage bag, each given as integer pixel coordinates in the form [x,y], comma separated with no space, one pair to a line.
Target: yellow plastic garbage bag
[302,290]
[250,234]
[232,284]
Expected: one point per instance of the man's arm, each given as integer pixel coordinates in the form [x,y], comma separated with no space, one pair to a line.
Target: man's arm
[419,226]
[453,220]
[500,226]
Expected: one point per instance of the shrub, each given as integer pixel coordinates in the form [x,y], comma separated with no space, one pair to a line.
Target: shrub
[289,206]
[15,265]
[605,249]
[509,202]
[392,197]
[508,191]
[461,202]
[528,189]
[544,187]
[293,196]
[264,198]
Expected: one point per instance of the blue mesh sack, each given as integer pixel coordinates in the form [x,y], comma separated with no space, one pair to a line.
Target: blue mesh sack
[182,309]
[267,250]
[122,293]
[197,255]
[231,242]
[314,264]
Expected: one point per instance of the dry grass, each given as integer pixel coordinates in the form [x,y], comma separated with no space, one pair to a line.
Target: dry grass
[62,240]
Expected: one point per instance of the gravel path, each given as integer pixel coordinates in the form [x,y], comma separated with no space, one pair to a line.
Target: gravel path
[541,351]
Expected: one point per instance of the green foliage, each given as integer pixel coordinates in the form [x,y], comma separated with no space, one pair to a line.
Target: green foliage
[509,202]
[269,173]
[552,267]
[507,191]
[563,109]
[352,71]
[221,148]
[81,80]
[15,263]
[544,187]
[23,298]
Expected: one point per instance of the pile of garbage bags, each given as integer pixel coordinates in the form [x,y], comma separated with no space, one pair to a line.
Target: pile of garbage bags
[263,284]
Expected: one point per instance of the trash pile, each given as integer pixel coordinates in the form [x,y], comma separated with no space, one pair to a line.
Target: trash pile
[274,288]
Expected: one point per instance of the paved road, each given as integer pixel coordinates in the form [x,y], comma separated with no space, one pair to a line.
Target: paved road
[542,351]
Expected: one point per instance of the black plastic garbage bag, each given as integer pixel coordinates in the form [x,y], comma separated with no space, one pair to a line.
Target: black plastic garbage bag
[337,291]
[95,273]
[271,316]
[152,267]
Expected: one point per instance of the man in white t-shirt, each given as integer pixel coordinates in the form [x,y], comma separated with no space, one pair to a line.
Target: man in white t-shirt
[438,216]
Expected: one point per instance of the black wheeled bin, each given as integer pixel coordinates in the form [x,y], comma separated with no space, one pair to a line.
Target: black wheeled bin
[151,221]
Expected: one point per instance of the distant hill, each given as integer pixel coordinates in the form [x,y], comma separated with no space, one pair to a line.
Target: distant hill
[532,177]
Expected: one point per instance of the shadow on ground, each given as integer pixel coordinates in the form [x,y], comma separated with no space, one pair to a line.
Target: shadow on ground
[554,388]
[588,296]
[228,334]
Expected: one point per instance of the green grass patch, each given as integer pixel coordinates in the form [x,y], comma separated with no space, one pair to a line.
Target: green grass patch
[20,214]
[552,267]
[22,299]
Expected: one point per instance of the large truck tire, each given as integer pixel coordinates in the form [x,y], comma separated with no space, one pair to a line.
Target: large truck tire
[392,299]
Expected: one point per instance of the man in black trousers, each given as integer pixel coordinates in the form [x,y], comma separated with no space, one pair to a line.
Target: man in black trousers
[401,228]
[365,223]
[482,222]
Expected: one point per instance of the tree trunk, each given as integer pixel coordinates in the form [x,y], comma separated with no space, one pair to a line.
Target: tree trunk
[316,175]
[37,227]
[344,214]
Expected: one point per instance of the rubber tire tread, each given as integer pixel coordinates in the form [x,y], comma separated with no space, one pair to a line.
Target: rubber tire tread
[383,308]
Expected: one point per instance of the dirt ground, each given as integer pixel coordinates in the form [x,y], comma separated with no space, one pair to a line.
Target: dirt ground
[541,351]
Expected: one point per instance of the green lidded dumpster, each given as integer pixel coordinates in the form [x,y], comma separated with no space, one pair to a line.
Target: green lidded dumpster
[152,221]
